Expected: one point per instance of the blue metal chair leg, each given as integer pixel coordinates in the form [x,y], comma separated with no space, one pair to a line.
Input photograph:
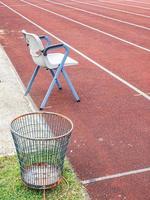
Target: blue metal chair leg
[70,85]
[57,81]
[32,79]
[50,88]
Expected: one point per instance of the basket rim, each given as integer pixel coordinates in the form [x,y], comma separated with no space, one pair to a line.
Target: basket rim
[42,139]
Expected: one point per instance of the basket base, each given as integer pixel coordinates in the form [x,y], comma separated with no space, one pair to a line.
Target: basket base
[42,176]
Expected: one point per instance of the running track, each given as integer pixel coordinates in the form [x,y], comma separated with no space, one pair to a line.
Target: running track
[110,144]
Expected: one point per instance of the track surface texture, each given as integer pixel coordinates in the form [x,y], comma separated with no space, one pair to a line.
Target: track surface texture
[111,40]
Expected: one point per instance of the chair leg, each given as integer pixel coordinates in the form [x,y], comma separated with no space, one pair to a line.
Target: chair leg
[50,88]
[57,81]
[70,85]
[32,79]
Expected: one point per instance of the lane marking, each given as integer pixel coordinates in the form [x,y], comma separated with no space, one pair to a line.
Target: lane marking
[19,5]
[138,2]
[81,54]
[99,15]
[137,95]
[87,26]
[118,175]
[118,10]
[13,5]
[124,4]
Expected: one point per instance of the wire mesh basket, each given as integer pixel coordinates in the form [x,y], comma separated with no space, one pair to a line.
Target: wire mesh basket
[41,141]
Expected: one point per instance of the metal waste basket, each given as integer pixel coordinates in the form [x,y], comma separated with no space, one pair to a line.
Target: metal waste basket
[41,141]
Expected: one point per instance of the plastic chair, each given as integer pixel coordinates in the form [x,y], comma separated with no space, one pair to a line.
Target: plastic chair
[53,62]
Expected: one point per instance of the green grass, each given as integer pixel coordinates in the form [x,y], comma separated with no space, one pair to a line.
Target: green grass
[12,188]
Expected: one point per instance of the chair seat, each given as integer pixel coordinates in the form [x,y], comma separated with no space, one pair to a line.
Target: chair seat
[56,58]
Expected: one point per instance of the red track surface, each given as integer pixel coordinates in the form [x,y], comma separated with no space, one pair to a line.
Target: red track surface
[112,125]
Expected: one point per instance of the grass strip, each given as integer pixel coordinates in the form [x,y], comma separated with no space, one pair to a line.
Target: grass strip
[12,188]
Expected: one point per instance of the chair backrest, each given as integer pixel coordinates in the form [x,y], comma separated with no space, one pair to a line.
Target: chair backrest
[35,46]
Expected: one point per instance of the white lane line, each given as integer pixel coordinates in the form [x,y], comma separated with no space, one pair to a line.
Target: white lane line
[14,5]
[123,4]
[118,175]
[19,5]
[118,10]
[98,15]
[138,2]
[137,95]
[82,54]
[87,26]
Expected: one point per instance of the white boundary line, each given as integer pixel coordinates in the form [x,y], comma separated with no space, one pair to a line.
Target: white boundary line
[118,175]
[123,11]
[87,26]
[19,5]
[137,95]
[138,2]
[81,54]
[124,4]
[14,5]
[99,15]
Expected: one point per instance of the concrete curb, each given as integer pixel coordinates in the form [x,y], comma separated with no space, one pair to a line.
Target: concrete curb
[13,102]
